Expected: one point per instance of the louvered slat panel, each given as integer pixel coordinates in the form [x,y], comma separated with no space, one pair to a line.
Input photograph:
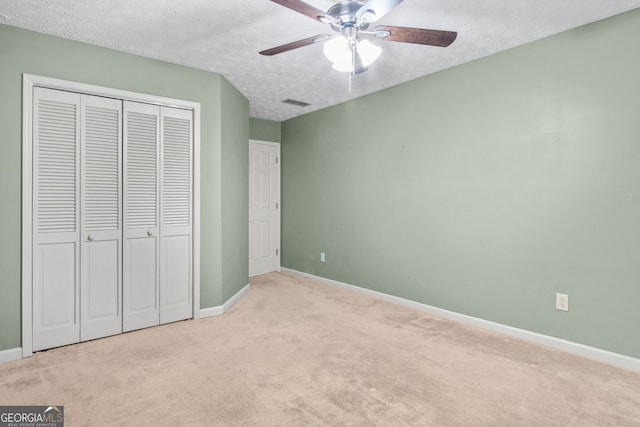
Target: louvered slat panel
[56,157]
[102,175]
[141,170]
[176,172]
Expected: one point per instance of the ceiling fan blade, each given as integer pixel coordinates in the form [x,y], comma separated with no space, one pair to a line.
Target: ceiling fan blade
[378,7]
[415,35]
[305,9]
[294,45]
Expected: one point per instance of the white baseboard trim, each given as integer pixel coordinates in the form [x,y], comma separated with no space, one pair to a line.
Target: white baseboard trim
[211,311]
[10,355]
[221,309]
[234,299]
[16,353]
[593,353]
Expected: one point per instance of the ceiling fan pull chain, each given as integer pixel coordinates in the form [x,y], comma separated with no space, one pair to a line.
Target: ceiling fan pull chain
[353,65]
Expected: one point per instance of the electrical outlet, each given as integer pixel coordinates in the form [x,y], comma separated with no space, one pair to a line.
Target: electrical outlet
[562,302]
[323,257]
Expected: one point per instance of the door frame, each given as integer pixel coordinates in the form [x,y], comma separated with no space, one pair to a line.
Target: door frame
[29,81]
[279,187]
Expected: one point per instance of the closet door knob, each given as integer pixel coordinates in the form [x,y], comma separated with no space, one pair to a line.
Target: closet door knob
[150,233]
[90,237]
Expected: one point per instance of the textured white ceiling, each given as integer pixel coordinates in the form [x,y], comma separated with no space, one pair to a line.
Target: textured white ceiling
[225,36]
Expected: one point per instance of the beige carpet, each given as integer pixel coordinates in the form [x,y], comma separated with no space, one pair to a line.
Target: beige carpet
[293,352]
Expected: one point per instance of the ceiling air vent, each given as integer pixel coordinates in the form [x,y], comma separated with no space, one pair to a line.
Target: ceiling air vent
[296,103]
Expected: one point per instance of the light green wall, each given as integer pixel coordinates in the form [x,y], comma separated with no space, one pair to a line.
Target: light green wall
[265,130]
[24,51]
[235,191]
[486,188]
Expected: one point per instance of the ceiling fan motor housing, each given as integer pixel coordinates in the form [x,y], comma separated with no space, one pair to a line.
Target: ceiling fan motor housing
[345,14]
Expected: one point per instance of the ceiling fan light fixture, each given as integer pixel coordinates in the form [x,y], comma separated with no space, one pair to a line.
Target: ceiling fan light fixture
[369,52]
[337,51]
[344,66]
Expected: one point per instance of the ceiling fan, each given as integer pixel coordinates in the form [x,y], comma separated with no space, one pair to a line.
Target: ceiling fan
[348,47]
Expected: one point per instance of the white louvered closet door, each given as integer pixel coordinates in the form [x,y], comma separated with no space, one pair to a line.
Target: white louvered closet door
[56,218]
[176,299]
[141,294]
[112,222]
[101,237]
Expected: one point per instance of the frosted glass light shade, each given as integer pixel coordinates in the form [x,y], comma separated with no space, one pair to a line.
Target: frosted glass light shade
[337,51]
[345,66]
[369,52]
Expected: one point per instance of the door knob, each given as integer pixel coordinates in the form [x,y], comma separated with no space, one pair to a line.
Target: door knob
[150,233]
[90,237]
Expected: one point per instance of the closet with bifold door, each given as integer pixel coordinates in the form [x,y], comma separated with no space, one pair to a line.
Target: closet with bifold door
[112,216]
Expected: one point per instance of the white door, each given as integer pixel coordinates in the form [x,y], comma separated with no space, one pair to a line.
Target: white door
[141,296]
[176,299]
[56,218]
[264,207]
[101,236]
